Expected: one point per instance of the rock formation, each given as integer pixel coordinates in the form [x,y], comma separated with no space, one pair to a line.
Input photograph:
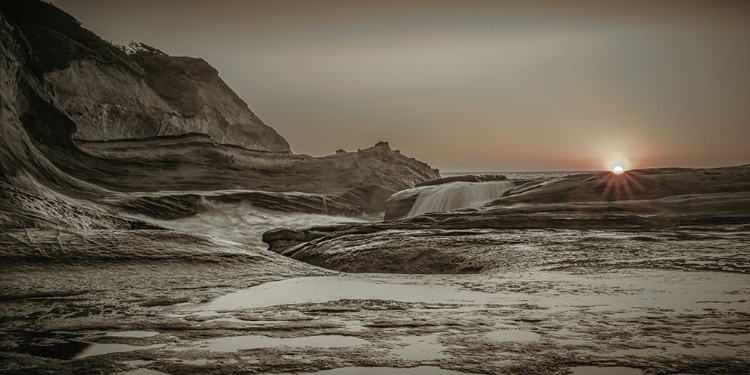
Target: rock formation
[111,94]
[640,202]
[86,124]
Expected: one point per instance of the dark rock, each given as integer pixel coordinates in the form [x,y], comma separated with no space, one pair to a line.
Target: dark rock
[371,198]
[111,94]
[281,239]
[163,301]
[641,184]
[83,120]
[176,205]
[398,205]
[465,240]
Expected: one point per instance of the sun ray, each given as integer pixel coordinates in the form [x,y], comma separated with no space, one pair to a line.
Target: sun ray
[619,186]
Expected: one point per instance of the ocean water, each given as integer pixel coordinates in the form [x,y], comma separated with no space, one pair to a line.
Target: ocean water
[520,175]
[455,195]
[245,224]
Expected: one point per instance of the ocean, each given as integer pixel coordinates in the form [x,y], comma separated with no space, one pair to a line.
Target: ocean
[520,175]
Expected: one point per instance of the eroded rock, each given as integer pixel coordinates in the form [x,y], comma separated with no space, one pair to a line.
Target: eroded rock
[83,119]
[465,240]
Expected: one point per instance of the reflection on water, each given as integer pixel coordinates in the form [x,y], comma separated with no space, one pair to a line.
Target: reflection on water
[332,288]
[99,349]
[235,343]
[231,344]
[682,293]
[62,347]
[671,350]
[421,370]
[58,350]
[134,334]
[420,348]
[597,370]
[145,371]
[512,335]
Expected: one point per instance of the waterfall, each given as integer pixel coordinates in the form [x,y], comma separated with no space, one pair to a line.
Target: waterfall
[457,195]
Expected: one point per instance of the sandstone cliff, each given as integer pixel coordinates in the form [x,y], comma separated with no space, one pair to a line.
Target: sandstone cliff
[31,185]
[89,131]
[111,94]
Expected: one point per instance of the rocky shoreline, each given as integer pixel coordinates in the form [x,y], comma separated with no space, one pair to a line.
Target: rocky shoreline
[135,188]
[659,200]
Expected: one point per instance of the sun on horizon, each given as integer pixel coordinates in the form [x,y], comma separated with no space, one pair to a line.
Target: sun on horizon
[617,169]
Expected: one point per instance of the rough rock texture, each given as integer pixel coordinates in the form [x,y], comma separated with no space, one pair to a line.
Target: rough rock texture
[424,250]
[440,242]
[113,95]
[176,205]
[62,84]
[344,184]
[76,277]
[194,162]
[20,88]
[29,182]
[281,239]
[642,184]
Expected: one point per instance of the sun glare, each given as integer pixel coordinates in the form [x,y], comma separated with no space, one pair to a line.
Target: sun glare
[616,163]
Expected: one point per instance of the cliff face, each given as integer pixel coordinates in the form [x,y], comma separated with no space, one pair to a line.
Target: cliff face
[87,129]
[30,184]
[21,161]
[111,94]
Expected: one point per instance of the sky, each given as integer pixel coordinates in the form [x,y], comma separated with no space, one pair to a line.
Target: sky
[472,85]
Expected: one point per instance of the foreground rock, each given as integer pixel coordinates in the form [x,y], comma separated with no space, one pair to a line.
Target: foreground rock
[466,240]
[588,308]
[93,291]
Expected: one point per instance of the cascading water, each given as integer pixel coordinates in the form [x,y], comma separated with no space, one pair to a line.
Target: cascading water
[457,195]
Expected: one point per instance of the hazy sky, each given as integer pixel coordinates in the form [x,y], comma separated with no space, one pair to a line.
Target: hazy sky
[472,85]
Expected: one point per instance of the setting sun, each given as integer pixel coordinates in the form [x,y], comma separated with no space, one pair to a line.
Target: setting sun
[618,169]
